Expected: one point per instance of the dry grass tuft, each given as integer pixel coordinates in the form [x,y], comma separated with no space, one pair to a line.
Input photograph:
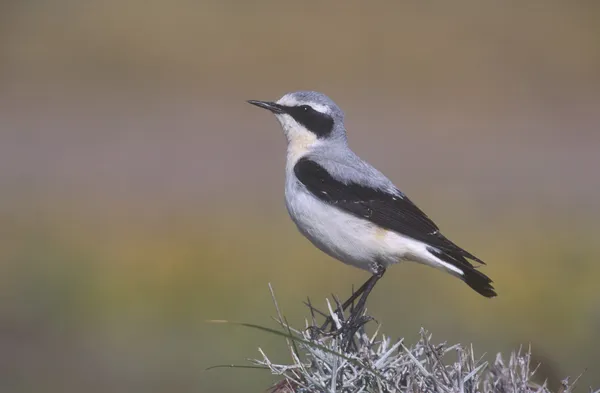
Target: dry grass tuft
[376,363]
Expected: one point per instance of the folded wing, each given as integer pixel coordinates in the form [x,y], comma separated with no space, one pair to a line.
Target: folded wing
[393,211]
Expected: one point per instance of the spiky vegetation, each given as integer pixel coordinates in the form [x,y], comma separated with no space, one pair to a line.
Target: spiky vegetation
[326,362]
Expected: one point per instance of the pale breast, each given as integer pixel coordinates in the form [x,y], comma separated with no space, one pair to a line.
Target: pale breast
[343,236]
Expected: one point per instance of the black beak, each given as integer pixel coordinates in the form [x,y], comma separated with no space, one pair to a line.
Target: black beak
[273,107]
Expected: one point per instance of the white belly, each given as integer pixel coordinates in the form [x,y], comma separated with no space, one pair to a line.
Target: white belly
[343,236]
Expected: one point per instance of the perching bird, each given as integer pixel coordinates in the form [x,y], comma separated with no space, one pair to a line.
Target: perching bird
[349,209]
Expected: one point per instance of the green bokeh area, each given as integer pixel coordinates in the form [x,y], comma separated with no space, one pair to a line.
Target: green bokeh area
[140,196]
[124,306]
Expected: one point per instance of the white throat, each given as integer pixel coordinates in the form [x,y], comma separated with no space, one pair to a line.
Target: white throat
[300,140]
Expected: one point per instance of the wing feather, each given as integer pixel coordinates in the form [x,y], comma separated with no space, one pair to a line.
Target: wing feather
[390,210]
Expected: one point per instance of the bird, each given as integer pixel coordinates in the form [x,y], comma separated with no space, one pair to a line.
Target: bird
[349,209]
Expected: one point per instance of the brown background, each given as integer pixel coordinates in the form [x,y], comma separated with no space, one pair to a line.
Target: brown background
[140,195]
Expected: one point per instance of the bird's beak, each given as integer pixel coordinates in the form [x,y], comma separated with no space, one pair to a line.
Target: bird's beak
[273,107]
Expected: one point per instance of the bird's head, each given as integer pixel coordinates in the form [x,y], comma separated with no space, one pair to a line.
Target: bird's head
[308,118]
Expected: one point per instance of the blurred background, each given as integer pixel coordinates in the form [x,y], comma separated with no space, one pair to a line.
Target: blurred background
[140,194]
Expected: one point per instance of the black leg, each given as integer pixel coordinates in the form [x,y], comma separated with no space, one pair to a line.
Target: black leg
[369,285]
[347,303]
[356,319]
[356,313]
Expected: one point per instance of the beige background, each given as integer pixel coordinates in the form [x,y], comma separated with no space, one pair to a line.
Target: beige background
[140,194]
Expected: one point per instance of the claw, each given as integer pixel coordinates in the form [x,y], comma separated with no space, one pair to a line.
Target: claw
[356,318]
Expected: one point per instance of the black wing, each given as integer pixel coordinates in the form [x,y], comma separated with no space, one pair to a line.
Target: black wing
[393,212]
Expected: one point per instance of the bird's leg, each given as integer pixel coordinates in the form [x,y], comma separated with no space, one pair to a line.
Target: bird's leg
[355,320]
[343,307]
[346,304]
[379,271]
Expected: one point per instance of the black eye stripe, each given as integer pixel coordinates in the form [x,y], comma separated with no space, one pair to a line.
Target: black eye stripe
[319,123]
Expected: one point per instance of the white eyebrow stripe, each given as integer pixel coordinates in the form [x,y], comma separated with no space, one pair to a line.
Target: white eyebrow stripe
[288,100]
[292,101]
[317,107]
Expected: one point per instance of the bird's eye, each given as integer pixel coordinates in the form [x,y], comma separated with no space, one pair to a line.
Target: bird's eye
[305,108]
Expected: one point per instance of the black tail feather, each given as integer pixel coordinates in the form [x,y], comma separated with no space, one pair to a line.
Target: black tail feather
[478,281]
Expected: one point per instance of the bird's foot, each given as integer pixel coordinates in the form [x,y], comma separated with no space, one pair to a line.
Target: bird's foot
[342,328]
[349,331]
[336,323]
